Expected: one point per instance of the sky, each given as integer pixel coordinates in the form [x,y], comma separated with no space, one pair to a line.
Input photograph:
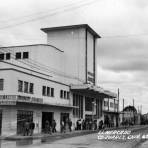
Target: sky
[122,52]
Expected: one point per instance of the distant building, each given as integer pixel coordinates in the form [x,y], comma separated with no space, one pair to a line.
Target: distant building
[56,80]
[129,116]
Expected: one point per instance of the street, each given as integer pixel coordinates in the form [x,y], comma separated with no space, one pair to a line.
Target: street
[85,141]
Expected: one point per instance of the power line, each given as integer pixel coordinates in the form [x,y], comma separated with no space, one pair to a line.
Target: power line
[50,14]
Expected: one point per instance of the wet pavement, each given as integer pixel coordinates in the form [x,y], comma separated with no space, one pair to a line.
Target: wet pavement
[84,141]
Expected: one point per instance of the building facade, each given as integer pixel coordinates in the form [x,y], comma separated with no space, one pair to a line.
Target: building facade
[56,80]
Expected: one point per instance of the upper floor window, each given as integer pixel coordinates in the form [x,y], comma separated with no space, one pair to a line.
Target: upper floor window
[111,104]
[25,55]
[44,90]
[2,56]
[105,103]
[52,92]
[1,84]
[18,55]
[64,94]
[31,88]
[25,87]
[20,86]
[47,91]
[7,56]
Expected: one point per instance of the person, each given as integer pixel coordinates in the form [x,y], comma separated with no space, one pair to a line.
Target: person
[26,128]
[31,127]
[53,126]
[62,127]
[47,126]
[70,125]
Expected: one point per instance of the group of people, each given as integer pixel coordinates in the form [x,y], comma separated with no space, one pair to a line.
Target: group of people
[50,127]
[66,125]
[28,128]
[86,124]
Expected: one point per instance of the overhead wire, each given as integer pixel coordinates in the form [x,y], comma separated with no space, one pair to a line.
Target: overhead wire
[50,14]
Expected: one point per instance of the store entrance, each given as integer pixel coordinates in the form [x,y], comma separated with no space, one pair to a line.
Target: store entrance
[0,122]
[47,117]
[23,117]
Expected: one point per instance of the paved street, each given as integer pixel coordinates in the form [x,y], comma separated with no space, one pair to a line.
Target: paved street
[85,141]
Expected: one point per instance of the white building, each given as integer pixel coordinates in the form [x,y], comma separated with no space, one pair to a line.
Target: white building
[49,81]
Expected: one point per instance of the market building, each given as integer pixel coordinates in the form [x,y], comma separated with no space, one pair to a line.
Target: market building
[57,80]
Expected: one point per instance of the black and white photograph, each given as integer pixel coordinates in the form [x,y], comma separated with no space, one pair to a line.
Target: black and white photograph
[73,74]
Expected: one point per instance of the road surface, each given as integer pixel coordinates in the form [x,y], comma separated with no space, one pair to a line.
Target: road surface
[85,141]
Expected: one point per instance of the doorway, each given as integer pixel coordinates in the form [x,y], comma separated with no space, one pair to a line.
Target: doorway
[46,116]
[22,117]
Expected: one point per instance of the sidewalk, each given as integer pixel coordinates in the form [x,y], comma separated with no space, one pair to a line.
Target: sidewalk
[71,134]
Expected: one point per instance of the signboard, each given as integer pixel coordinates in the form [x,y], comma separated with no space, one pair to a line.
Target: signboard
[8,99]
[28,99]
[90,77]
[12,99]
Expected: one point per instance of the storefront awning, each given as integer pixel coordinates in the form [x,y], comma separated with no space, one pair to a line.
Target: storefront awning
[93,89]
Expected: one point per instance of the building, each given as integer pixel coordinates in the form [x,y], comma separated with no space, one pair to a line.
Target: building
[129,116]
[56,80]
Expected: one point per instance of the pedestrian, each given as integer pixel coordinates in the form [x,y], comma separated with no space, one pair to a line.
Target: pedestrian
[62,127]
[70,125]
[53,126]
[26,128]
[31,127]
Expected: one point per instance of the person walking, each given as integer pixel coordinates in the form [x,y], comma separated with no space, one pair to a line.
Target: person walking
[54,126]
[70,125]
[32,126]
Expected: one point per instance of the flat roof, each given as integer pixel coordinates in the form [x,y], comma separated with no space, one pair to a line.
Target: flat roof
[33,45]
[96,35]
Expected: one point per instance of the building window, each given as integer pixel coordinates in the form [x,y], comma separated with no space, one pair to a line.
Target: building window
[26,87]
[2,56]
[25,55]
[52,92]
[78,103]
[111,104]
[18,55]
[68,95]
[44,90]
[61,94]
[7,56]
[48,91]
[1,84]
[64,94]
[31,88]
[105,103]
[88,104]
[20,86]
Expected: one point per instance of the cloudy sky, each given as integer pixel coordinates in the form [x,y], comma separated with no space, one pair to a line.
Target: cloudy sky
[122,52]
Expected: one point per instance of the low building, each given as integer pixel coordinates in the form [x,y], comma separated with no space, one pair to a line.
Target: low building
[53,81]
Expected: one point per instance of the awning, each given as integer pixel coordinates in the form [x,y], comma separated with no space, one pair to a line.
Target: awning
[94,89]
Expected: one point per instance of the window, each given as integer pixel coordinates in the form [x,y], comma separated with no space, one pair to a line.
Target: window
[18,55]
[26,87]
[2,56]
[25,55]
[52,92]
[61,94]
[64,94]
[31,88]
[1,84]
[20,86]
[111,104]
[67,95]
[88,104]
[44,90]
[105,103]
[7,56]
[48,91]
